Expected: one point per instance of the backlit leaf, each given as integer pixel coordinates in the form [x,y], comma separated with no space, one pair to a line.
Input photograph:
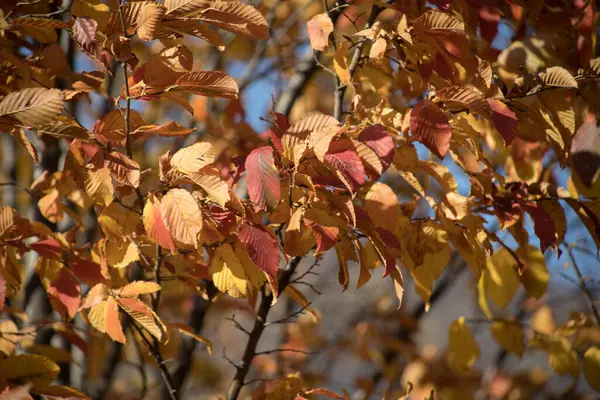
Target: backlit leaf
[261,247]
[193,158]
[319,28]
[509,335]
[236,17]
[33,106]
[462,347]
[155,224]
[182,216]
[263,178]
[208,83]
[591,367]
[429,125]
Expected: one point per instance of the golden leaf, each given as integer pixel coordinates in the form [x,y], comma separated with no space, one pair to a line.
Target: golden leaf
[462,347]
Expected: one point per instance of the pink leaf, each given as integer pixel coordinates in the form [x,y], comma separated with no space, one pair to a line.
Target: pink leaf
[327,236]
[379,139]
[342,156]
[261,247]
[263,178]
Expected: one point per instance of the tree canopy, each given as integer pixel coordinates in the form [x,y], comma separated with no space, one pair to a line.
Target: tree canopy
[168,165]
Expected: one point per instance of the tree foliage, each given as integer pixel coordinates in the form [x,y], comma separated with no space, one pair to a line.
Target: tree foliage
[408,137]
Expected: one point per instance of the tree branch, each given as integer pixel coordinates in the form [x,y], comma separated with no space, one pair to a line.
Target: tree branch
[304,71]
[259,325]
[340,89]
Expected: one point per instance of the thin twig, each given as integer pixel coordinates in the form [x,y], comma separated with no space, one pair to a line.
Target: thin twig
[155,352]
[259,325]
[583,287]
[260,353]
[142,370]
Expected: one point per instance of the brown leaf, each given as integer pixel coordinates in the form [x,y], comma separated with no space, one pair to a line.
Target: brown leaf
[236,17]
[123,169]
[84,33]
[208,83]
[33,106]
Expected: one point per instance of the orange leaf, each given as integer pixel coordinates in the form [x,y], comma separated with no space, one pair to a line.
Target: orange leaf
[155,225]
[112,321]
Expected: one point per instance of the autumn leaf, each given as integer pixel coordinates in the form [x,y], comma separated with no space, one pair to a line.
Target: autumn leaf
[236,17]
[344,160]
[155,224]
[505,120]
[319,28]
[182,216]
[462,346]
[263,178]
[208,83]
[193,158]
[261,247]
[429,125]
[32,107]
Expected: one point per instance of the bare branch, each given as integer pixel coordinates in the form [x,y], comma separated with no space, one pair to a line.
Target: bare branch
[584,288]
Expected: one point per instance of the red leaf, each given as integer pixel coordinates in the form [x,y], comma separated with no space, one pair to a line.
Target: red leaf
[429,125]
[543,225]
[379,139]
[65,288]
[49,248]
[261,247]
[342,156]
[504,119]
[327,236]
[87,270]
[263,178]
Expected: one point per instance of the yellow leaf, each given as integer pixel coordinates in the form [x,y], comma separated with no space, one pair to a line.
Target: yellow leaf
[187,331]
[67,392]
[299,298]
[215,187]
[143,315]
[137,288]
[542,321]
[462,347]
[182,216]
[34,368]
[501,278]
[8,336]
[227,272]
[97,316]
[509,335]
[193,158]
[117,222]
[482,299]
[591,367]
[339,63]
[94,9]
[535,277]
[562,358]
